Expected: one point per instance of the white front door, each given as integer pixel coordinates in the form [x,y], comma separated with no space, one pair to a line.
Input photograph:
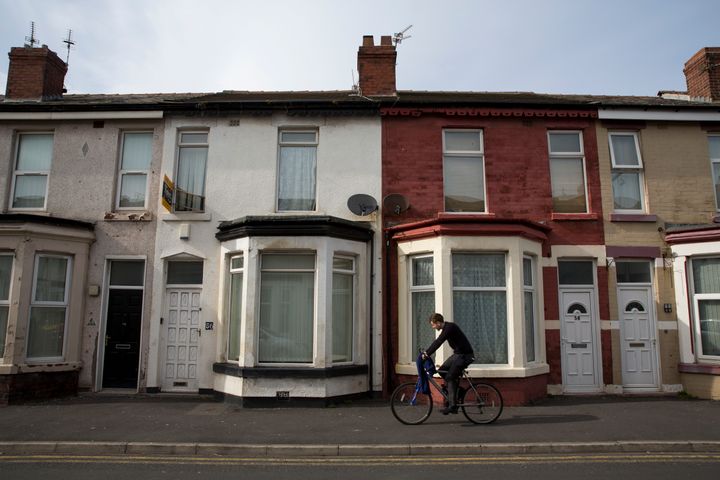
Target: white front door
[638,345]
[578,343]
[181,339]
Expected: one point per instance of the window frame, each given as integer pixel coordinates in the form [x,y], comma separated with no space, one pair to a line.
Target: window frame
[479,154]
[122,172]
[532,289]
[413,289]
[234,271]
[696,298]
[179,145]
[41,304]
[505,289]
[280,144]
[261,270]
[353,313]
[569,155]
[45,173]
[715,161]
[639,169]
[5,303]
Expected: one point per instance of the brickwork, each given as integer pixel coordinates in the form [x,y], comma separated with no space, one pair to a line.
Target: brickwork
[35,74]
[702,73]
[19,388]
[376,67]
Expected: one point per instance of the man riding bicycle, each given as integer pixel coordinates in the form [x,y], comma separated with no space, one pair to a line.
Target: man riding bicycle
[453,367]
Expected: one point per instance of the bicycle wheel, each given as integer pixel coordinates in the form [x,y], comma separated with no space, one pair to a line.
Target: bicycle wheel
[410,407]
[482,403]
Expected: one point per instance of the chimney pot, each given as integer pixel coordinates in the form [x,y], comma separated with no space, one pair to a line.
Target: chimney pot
[386,40]
[368,41]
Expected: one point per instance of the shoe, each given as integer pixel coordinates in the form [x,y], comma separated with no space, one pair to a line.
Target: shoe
[450,409]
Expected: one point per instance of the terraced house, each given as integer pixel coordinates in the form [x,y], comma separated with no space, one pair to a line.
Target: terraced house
[289,246]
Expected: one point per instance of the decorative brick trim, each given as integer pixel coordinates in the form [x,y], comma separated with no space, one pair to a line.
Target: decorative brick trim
[699,368]
[488,112]
[633,252]
[632,217]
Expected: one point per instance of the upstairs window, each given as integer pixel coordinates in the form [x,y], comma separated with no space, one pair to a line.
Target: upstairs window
[297,169]
[627,172]
[32,169]
[714,141]
[190,183]
[463,171]
[134,169]
[567,172]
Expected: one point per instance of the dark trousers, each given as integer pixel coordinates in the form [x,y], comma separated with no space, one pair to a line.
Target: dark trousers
[451,370]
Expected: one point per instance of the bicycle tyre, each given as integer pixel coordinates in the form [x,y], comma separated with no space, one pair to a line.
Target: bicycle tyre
[409,408]
[482,405]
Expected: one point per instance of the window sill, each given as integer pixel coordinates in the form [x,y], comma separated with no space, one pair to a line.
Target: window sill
[573,216]
[12,369]
[633,217]
[706,368]
[186,217]
[488,371]
[128,216]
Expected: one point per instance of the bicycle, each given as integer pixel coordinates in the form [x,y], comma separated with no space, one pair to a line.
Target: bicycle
[481,403]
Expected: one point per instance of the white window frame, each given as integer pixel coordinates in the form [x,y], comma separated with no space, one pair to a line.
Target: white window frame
[122,172]
[281,144]
[179,146]
[234,271]
[564,155]
[639,169]
[314,271]
[412,289]
[715,162]
[17,173]
[40,304]
[479,154]
[5,303]
[532,289]
[353,274]
[508,280]
[696,298]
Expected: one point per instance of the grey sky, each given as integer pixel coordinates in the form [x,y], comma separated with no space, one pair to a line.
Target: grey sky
[623,47]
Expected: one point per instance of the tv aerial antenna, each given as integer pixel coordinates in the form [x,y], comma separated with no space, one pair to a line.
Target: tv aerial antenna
[400,36]
[31,40]
[70,43]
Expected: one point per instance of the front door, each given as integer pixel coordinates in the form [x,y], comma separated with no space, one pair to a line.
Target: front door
[578,344]
[181,338]
[122,339]
[638,346]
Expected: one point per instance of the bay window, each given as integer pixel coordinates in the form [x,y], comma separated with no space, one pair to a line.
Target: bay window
[287,293]
[6,262]
[234,323]
[343,287]
[706,296]
[422,301]
[48,307]
[529,308]
[480,304]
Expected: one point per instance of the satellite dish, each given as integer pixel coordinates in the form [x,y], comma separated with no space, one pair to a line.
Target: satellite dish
[395,203]
[361,204]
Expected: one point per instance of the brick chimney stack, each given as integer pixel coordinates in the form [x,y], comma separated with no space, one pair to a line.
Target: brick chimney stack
[702,73]
[35,74]
[376,66]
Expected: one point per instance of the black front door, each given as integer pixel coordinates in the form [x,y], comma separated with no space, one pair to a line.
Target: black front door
[122,339]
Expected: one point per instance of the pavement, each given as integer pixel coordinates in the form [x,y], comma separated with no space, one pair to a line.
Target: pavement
[102,424]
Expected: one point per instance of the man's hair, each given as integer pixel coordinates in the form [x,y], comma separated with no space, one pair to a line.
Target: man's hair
[437,318]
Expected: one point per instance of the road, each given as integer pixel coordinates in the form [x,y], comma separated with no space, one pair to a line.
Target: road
[699,466]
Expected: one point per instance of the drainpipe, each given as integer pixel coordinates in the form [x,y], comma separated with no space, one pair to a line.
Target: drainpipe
[372,315]
[388,311]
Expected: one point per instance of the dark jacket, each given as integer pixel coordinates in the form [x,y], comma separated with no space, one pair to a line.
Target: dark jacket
[455,337]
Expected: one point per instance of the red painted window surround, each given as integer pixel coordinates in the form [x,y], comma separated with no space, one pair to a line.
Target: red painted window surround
[699,368]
